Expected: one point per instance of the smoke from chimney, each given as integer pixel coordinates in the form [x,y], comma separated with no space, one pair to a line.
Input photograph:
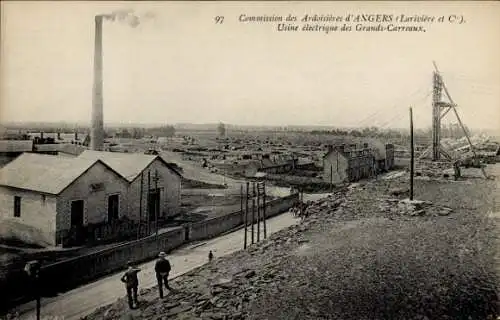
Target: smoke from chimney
[127,16]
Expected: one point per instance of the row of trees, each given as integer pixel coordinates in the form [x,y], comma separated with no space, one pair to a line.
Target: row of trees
[452,130]
[163,131]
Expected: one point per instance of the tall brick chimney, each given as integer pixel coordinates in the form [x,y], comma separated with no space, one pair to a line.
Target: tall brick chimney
[97,125]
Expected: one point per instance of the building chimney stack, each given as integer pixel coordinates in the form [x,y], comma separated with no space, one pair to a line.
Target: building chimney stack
[97,125]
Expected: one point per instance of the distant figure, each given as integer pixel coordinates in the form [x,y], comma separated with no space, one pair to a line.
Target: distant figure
[162,269]
[210,256]
[131,284]
[456,170]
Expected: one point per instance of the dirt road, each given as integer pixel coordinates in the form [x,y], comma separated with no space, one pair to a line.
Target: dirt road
[83,300]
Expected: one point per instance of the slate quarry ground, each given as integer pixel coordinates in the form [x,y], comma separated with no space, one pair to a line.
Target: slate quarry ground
[354,257]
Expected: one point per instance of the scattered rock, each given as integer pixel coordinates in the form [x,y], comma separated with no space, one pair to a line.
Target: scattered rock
[250,274]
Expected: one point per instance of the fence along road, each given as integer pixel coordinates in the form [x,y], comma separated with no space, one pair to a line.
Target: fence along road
[84,300]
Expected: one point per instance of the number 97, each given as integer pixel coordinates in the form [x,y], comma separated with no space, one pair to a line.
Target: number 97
[219,19]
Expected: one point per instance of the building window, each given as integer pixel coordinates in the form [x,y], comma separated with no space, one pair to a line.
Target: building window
[17,206]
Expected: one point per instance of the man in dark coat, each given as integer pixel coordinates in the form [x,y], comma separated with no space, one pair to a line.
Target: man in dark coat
[162,269]
[131,284]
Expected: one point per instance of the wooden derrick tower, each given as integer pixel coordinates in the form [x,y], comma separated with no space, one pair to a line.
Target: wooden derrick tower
[439,110]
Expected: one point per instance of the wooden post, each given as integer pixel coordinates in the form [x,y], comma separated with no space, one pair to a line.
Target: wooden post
[264,209]
[246,215]
[140,207]
[253,211]
[258,214]
[412,155]
[331,177]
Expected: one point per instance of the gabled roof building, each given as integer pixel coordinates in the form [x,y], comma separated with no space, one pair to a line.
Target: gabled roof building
[51,200]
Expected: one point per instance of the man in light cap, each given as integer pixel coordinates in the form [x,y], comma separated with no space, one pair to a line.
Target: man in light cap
[162,269]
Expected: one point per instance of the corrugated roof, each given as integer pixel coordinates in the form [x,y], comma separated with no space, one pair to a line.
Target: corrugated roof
[16,145]
[129,165]
[43,173]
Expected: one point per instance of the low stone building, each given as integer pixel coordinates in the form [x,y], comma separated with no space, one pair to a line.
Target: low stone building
[383,153]
[268,166]
[47,198]
[62,200]
[343,164]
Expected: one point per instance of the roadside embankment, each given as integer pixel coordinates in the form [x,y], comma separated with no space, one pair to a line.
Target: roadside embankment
[364,254]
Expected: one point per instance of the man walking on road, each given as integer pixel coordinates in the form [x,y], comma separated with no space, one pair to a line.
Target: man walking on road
[162,269]
[131,284]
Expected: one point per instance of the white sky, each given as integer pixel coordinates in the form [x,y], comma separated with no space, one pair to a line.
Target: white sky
[182,67]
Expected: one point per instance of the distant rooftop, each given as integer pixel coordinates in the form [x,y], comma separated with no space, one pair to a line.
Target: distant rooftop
[16,145]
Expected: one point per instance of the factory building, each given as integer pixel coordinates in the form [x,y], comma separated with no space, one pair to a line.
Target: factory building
[350,163]
[48,199]
[343,164]
[53,200]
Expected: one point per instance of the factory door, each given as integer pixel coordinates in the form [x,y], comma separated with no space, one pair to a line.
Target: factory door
[153,204]
[113,208]
[77,232]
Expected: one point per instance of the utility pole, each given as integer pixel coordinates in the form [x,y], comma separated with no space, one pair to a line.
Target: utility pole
[246,215]
[331,177]
[264,209]
[258,213]
[140,207]
[253,210]
[412,154]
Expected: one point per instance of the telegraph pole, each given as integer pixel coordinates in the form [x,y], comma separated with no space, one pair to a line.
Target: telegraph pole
[258,213]
[331,177]
[253,210]
[246,215]
[412,160]
[264,208]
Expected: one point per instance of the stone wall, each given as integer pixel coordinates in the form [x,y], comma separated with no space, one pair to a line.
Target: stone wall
[70,273]
[89,267]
